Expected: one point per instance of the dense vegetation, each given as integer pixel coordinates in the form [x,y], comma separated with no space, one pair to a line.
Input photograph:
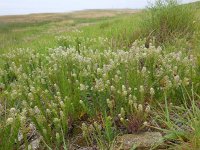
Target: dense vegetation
[124,75]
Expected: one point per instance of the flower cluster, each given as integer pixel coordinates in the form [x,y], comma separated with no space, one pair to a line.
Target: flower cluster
[47,89]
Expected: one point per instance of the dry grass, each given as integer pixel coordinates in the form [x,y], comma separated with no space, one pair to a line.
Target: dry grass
[102,13]
[51,17]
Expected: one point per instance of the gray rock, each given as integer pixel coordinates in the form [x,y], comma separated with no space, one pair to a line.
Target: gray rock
[145,140]
[35,144]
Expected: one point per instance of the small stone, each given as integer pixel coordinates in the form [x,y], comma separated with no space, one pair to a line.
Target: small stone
[142,141]
[35,143]
[20,136]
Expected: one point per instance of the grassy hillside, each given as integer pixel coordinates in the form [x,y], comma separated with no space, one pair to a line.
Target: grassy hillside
[38,31]
[85,79]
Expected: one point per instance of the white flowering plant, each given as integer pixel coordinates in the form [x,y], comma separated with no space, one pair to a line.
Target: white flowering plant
[54,90]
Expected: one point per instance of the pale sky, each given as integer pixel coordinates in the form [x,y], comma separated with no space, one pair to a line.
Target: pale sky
[14,7]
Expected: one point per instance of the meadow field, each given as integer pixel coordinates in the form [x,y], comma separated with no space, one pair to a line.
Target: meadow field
[38,31]
[101,79]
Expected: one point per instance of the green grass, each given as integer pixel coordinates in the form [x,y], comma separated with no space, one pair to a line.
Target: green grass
[25,36]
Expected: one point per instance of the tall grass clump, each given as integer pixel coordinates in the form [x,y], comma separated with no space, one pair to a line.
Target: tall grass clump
[181,123]
[168,20]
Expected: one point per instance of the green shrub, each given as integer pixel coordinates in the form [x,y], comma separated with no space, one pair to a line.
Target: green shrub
[168,20]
